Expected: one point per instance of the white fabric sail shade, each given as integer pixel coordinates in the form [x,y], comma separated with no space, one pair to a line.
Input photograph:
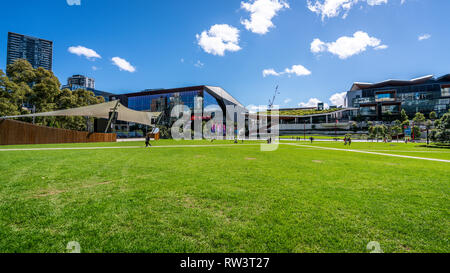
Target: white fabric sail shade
[101,111]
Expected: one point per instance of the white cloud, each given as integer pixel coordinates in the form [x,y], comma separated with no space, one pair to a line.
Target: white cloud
[381,47]
[123,64]
[298,70]
[345,46]
[73,2]
[182,60]
[403,2]
[333,8]
[338,99]
[218,39]
[424,37]
[313,102]
[318,46]
[261,14]
[83,51]
[199,64]
[286,101]
[270,72]
[255,109]
[95,68]
[376,2]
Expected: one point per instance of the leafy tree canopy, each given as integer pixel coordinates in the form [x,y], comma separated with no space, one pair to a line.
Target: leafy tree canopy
[26,87]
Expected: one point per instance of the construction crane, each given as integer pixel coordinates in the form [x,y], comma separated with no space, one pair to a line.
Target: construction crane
[271,102]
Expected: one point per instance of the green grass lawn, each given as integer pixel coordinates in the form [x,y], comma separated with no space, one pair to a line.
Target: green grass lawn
[314,136]
[398,148]
[224,198]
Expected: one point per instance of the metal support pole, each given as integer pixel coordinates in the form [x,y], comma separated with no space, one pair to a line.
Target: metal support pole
[114,110]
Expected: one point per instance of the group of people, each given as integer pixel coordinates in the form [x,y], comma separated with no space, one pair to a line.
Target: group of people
[347,140]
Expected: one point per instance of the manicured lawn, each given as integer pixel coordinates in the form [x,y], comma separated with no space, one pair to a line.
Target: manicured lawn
[399,148]
[223,198]
[314,136]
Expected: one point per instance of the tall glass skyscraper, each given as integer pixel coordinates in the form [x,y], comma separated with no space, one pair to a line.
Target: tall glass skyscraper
[38,52]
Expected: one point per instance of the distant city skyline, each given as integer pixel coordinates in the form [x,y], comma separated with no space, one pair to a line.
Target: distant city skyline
[314,50]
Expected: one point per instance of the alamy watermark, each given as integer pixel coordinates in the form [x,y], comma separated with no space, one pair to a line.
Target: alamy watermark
[374,247]
[237,123]
[73,247]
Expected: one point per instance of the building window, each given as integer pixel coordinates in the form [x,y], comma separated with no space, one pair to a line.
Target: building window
[390,109]
[445,90]
[368,111]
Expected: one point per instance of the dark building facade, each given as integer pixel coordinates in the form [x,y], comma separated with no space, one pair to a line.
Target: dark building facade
[38,52]
[376,101]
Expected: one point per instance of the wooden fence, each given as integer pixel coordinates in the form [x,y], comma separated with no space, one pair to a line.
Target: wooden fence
[14,132]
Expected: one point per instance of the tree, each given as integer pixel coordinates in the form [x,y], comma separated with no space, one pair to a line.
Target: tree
[433,115]
[397,128]
[406,124]
[403,115]
[40,88]
[21,71]
[372,130]
[428,125]
[442,132]
[8,96]
[419,118]
[416,132]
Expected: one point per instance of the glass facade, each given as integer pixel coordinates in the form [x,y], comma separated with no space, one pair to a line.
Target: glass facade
[38,52]
[390,109]
[385,96]
[368,110]
[428,96]
[445,91]
[163,102]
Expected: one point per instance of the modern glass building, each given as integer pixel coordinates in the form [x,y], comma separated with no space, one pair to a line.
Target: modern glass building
[380,100]
[38,52]
[163,100]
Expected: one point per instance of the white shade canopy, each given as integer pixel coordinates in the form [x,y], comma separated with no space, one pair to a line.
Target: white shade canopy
[100,111]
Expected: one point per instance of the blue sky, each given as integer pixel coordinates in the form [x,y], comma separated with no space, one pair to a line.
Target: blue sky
[312,49]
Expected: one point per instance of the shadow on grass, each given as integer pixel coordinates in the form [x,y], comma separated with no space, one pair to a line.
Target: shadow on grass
[437,146]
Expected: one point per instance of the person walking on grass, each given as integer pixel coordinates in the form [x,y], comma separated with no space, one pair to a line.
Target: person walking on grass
[147,140]
[349,141]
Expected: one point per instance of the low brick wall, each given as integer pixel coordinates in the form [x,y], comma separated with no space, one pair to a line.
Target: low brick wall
[14,132]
